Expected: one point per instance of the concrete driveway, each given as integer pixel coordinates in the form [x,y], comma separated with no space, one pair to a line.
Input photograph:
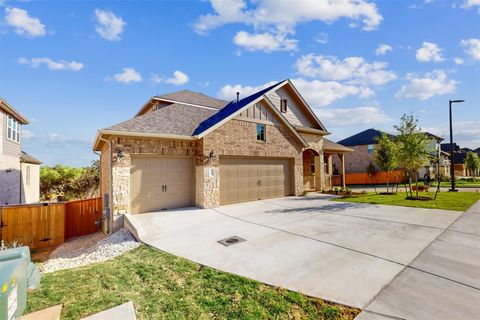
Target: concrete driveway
[343,252]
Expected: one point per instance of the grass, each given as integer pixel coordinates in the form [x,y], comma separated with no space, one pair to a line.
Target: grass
[163,286]
[461,183]
[458,201]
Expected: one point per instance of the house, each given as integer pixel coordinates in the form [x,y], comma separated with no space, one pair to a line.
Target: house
[19,172]
[188,149]
[459,155]
[364,145]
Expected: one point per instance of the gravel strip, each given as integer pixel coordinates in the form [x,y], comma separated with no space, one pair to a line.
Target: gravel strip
[88,249]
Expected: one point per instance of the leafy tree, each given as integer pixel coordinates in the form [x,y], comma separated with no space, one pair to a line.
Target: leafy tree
[63,183]
[386,155]
[472,163]
[414,149]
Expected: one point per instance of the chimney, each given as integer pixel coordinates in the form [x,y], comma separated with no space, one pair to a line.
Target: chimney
[238,96]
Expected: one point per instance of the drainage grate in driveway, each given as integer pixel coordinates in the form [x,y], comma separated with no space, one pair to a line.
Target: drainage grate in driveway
[231,241]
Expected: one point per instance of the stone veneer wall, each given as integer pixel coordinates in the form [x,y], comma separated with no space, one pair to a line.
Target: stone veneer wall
[9,180]
[239,138]
[120,188]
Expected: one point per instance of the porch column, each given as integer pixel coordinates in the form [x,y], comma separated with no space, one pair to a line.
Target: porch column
[318,173]
[330,164]
[342,160]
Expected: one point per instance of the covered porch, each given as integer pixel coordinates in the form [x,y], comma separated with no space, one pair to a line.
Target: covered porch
[333,176]
[319,172]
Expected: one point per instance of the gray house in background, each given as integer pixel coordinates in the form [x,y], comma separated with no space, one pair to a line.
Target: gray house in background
[19,172]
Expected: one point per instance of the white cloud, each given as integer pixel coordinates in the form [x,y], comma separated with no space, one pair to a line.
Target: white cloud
[459,61]
[321,38]
[383,49]
[229,92]
[472,47]
[426,86]
[178,78]
[354,70]
[466,133]
[51,64]
[429,52]
[353,116]
[55,140]
[129,75]
[264,42]
[472,4]
[109,26]
[284,15]
[23,23]
[317,93]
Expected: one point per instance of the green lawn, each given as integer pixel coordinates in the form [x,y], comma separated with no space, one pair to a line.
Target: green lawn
[163,286]
[459,201]
[460,183]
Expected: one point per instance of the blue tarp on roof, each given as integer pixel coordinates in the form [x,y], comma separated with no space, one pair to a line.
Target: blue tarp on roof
[230,109]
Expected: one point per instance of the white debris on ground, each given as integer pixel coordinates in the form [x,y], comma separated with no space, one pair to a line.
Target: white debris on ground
[88,249]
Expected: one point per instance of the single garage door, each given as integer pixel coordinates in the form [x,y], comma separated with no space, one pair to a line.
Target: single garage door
[161,182]
[248,179]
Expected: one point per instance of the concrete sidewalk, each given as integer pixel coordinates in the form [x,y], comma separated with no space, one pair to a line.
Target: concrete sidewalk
[443,282]
[342,252]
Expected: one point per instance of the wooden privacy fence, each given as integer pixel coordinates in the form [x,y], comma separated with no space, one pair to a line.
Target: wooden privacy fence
[379,178]
[81,217]
[48,224]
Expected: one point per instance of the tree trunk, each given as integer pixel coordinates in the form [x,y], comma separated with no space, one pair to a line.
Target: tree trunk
[416,185]
[387,180]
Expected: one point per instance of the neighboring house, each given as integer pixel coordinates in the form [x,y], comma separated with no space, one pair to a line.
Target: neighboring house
[19,172]
[187,149]
[459,156]
[364,144]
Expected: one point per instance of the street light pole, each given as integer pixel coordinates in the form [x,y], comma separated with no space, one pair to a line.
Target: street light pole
[452,157]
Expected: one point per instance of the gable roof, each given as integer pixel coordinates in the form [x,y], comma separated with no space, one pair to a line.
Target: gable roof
[185,97]
[26,158]
[197,114]
[174,119]
[229,110]
[12,112]
[369,136]
[329,145]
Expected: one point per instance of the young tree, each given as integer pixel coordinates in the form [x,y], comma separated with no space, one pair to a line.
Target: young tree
[472,163]
[372,171]
[413,148]
[386,155]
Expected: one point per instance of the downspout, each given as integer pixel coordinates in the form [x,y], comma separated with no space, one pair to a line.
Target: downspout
[108,211]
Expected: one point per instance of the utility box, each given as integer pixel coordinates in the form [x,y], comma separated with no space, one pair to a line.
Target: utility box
[17,275]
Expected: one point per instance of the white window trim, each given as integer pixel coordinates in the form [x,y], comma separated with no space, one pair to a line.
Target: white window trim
[14,129]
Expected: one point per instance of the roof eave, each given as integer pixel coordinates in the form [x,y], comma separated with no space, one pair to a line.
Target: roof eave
[11,111]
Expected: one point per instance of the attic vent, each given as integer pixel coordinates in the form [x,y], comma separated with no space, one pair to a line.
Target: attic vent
[231,241]
[283,105]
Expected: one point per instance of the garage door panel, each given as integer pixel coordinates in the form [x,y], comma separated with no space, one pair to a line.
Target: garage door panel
[247,179]
[149,175]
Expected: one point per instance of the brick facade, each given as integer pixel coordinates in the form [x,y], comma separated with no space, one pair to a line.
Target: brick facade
[356,161]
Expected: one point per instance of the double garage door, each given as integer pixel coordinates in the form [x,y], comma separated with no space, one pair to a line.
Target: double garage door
[248,179]
[160,182]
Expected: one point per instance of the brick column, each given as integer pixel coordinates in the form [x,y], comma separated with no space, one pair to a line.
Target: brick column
[342,160]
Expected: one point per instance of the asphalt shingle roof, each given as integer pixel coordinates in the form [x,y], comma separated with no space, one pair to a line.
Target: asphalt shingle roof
[329,145]
[176,118]
[192,97]
[26,158]
[369,136]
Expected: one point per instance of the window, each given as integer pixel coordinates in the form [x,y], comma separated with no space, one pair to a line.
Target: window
[28,176]
[370,148]
[260,132]
[283,105]
[312,165]
[13,129]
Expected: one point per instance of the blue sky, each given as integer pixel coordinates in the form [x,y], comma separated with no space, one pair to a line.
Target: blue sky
[73,67]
